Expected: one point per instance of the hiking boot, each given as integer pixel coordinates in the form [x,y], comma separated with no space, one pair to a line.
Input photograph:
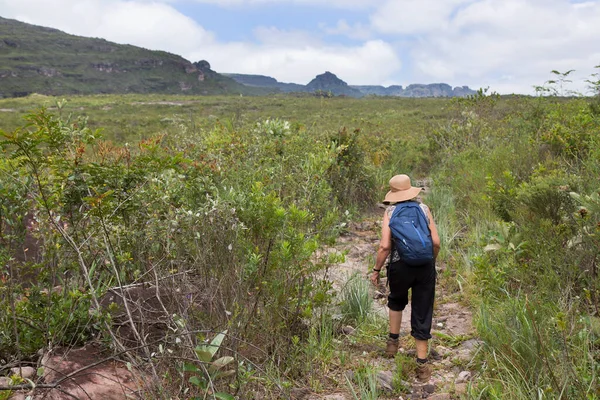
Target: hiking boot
[391,347]
[423,372]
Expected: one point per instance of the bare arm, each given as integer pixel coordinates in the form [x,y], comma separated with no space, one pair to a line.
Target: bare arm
[435,237]
[385,246]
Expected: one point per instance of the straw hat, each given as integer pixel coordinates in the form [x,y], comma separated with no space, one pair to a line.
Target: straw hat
[401,190]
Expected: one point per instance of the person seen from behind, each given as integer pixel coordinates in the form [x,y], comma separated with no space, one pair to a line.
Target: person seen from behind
[409,237]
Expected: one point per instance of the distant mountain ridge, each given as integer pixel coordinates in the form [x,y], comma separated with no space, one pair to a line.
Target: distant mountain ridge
[35,59]
[417,90]
[266,82]
[329,82]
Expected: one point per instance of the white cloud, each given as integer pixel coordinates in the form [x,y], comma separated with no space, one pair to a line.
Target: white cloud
[356,31]
[414,16]
[344,4]
[509,45]
[275,36]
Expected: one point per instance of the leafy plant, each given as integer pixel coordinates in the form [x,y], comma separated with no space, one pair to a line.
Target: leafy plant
[210,371]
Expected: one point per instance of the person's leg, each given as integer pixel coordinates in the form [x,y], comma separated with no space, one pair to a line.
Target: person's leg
[422,348]
[399,284]
[423,295]
[395,321]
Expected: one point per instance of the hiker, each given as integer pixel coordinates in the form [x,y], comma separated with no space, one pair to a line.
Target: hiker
[408,267]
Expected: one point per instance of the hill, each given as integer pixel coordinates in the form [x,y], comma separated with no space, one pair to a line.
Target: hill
[48,61]
[266,82]
[328,82]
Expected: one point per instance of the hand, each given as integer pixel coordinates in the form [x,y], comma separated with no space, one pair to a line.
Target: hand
[375,278]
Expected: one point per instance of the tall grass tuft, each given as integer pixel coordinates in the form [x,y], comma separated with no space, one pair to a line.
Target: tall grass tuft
[356,301]
[536,350]
[366,380]
[441,202]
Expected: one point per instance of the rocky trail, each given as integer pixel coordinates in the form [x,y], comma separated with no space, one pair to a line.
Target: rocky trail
[453,346]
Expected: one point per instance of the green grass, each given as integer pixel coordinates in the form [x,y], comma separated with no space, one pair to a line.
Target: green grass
[356,301]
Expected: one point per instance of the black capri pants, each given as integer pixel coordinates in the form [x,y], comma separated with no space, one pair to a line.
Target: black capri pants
[421,279]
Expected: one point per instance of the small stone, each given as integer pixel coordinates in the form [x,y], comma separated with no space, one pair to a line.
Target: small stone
[440,396]
[348,330]
[349,374]
[429,388]
[385,379]
[464,355]
[435,355]
[471,344]
[463,377]
[336,396]
[460,388]
[24,372]
[299,393]
[5,381]
[439,325]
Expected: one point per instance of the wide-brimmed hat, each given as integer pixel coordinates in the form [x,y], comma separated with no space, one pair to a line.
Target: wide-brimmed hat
[401,190]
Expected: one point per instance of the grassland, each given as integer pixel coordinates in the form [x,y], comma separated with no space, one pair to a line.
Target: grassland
[233,197]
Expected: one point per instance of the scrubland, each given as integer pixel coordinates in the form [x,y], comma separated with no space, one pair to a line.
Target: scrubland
[221,207]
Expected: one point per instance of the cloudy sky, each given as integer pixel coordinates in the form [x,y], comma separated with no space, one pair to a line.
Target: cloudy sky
[506,45]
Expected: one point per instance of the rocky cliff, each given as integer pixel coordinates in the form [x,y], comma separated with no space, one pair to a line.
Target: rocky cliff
[330,83]
[417,90]
[48,61]
[266,82]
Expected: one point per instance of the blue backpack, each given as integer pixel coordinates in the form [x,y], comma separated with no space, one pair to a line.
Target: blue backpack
[411,235]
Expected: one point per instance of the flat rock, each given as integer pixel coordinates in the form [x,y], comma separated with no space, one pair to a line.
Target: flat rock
[110,380]
[385,378]
[440,396]
[336,396]
[24,372]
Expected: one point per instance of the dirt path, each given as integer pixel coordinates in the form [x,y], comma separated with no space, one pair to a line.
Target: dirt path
[454,344]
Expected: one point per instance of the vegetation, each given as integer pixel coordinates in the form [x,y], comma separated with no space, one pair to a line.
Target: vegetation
[226,203]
